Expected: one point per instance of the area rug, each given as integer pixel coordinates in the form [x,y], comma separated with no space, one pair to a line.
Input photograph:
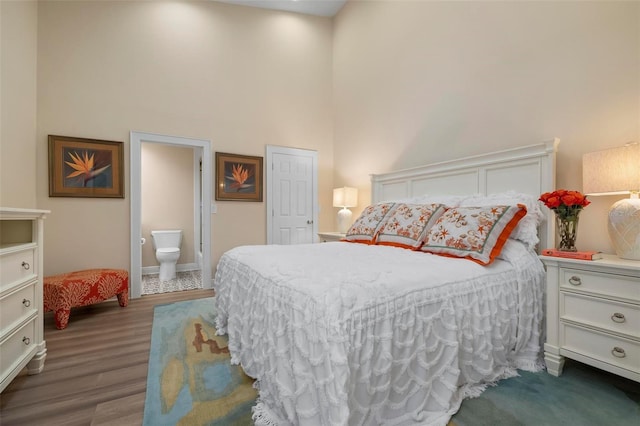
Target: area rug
[184,280]
[581,396]
[191,380]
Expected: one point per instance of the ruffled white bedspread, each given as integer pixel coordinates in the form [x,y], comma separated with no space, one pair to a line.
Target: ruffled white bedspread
[349,334]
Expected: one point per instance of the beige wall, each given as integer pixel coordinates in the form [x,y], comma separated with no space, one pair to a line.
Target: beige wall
[421,82]
[18,50]
[238,76]
[167,199]
[384,85]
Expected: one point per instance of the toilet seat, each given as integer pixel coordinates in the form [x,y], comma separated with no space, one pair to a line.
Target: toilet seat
[168,250]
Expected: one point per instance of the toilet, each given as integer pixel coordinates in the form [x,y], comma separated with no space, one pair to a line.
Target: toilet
[167,247]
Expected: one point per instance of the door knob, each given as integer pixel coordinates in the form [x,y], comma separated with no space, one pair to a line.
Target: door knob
[309,222]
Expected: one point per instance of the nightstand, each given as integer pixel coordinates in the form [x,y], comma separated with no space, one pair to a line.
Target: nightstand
[330,236]
[593,314]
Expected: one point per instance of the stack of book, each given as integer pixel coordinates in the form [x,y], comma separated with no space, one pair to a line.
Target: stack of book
[582,255]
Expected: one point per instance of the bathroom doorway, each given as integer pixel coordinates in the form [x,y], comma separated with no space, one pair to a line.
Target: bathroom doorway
[187,163]
[170,200]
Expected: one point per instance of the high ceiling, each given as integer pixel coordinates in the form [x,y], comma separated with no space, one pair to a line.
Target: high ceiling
[309,7]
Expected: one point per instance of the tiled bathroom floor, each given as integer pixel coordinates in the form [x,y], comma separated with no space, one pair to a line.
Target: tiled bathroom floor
[187,280]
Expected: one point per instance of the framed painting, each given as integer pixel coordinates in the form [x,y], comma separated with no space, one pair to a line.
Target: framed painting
[238,177]
[85,168]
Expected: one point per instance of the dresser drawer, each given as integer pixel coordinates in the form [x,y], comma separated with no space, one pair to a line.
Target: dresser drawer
[15,306]
[16,267]
[14,348]
[609,285]
[602,313]
[619,352]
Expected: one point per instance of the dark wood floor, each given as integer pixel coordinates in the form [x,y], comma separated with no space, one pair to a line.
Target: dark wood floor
[95,372]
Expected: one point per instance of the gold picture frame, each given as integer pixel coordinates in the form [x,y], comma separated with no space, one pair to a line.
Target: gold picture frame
[80,167]
[238,177]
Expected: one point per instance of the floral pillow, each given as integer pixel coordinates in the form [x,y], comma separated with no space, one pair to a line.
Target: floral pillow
[476,233]
[527,229]
[408,224]
[366,227]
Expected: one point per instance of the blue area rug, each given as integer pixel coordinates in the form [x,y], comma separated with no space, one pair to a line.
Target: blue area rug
[581,396]
[191,380]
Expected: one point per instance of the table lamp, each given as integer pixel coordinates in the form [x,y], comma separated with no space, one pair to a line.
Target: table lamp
[612,172]
[345,197]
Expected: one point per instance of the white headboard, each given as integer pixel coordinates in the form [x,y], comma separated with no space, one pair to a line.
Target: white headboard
[530,169]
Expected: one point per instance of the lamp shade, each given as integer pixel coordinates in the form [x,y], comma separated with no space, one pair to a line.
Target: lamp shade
[617,171]
[345,197]
[612,171]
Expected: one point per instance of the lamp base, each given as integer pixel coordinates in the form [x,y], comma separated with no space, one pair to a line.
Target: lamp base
[344,220]
[624,228]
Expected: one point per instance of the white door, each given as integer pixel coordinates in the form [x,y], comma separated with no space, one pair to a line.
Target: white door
[292,195]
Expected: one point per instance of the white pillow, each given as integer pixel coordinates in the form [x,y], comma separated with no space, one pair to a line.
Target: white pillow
[527,229]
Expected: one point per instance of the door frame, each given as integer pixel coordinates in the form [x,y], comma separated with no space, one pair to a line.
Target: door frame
[273,149]
[204,205]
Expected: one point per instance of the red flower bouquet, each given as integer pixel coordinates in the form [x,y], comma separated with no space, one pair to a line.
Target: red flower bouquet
[567,205]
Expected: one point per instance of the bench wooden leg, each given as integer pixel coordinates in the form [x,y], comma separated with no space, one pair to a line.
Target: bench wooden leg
[123,298]
[62,318]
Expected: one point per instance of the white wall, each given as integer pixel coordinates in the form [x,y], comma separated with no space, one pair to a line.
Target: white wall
[420,82]
[18,50]
[167,197]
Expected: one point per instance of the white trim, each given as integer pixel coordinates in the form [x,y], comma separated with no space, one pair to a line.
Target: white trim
[197,210]
[530,169]
[271,150]
[136,139]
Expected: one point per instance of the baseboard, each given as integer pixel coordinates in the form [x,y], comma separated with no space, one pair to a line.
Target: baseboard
[181,267]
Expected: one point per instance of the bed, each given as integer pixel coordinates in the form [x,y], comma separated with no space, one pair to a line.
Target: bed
[345,333]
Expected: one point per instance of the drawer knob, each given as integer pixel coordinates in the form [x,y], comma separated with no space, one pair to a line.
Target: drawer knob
[575,280]
[618,352]
[26,266]
[26,340]
[618,317]
[26,302]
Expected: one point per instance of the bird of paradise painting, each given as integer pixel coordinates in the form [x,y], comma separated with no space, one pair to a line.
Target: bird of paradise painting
[85,167]
[238,177]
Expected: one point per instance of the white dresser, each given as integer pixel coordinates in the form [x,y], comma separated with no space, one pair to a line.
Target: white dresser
[21,321]
[593,314]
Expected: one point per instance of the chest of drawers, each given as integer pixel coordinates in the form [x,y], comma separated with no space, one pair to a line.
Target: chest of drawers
[593,314]
[21,322]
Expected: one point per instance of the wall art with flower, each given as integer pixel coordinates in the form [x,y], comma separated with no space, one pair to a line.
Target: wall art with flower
[80,167]
[238,177]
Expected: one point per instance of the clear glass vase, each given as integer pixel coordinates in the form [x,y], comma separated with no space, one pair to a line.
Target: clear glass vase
[567,232]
